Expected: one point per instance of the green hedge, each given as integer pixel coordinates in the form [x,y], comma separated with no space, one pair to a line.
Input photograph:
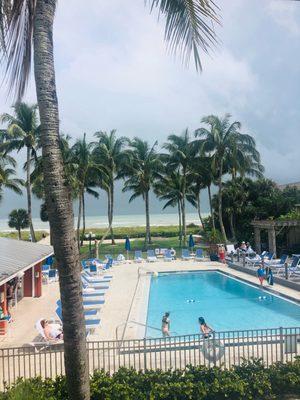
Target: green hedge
[251,381]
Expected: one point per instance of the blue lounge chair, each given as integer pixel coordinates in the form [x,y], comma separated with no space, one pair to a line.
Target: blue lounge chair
[151,257]
[293,268]
[199,255]
[89,323]
[185,254]
[52,275]
[91,302]
[138,257]
[93,285]
[168,255]
[93,280]
[278,264]
[100,276]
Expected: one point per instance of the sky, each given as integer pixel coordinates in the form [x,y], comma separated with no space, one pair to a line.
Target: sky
[113,72]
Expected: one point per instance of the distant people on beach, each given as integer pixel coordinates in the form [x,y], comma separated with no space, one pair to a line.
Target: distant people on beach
[204,328]
[165,325]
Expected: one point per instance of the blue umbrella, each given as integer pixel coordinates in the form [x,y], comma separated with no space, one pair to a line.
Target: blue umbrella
[127,245]
[191,241]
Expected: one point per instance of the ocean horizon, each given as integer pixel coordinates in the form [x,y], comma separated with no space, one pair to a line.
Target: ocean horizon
[100,221]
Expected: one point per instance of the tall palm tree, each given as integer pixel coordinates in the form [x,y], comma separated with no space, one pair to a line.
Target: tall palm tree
[108,151]
[181,153]
[169,188]
[22,132]
[143,166]
[219,141]
[188,28]
[87,172]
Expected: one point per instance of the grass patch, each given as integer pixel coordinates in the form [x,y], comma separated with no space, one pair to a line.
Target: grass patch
[25,235]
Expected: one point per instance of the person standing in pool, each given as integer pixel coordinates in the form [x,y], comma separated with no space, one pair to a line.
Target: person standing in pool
[165,325]
[261,274]
[204,328]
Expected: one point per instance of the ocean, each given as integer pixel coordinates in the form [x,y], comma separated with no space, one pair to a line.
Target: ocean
[100,221]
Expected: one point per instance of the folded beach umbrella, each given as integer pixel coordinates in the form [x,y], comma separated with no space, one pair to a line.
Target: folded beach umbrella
[191,241]
[127,245]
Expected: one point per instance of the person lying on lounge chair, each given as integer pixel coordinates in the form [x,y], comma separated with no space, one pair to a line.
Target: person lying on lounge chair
[52,331]
[204,328]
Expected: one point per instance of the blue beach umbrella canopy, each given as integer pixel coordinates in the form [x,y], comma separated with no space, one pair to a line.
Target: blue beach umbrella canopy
[127,244]
[191,241]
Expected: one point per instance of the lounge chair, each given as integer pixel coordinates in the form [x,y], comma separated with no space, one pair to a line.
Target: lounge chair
[230,249]
[254,261]
[151,257]
[185,254]
[168,256]
[279,263]
[92,285]
[199,255]
[90,324]
[52,275]
[42,341]
[94,279]
[138,257]
[293,268]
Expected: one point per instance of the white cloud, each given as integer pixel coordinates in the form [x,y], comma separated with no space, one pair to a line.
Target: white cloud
[286,14]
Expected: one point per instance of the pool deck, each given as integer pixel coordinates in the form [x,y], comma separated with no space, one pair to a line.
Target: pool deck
[125,300]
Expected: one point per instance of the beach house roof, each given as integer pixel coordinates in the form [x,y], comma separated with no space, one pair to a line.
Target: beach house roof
[17,256]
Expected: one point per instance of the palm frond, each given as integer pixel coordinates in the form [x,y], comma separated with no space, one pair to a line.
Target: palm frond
[189,26]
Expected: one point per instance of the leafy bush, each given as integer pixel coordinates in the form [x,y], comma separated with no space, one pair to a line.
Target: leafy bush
[250,381]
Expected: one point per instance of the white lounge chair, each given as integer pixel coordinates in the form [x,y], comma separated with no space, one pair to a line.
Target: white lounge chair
[138,257]
[151,257]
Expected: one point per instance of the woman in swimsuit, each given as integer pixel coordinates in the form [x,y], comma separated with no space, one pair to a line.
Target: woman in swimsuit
[204,328]
[165,325]
[51,331]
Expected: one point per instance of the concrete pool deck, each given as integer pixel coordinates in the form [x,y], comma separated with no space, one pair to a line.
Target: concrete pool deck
[125,300]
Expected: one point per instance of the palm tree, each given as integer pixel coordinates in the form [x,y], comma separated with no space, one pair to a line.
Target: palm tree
[143,166]
[220,141]
[188,28]
[169,188]
[18,219]
[7,173]
[87,172]
[22,132]
[181,155]
[108,151]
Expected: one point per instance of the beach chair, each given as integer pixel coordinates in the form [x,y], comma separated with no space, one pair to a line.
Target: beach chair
[151,257]
[90,324]
[52,275]
[93,285]
[185,255]
[42,342]
[294,267]
[94,279]
[157,252]
[199,255]
[255,261]
[230,249]
[279,263]
[138,257]
[168,255]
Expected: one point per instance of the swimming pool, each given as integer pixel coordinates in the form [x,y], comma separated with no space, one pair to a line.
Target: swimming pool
[226,304]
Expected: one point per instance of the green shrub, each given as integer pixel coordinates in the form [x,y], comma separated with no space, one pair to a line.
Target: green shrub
[250,381]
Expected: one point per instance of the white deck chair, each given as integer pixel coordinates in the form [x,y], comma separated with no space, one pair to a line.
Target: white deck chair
[44,342]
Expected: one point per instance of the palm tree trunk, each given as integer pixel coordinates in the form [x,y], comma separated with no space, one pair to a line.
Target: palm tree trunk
[180,225]
[210,206]
[220,204]
[83,218]
[148,234]
[108,210]
[111,212]
[232,226]
[59,205]
[199,209]
[183,221]
[28,189]
[79,219]
[19,234]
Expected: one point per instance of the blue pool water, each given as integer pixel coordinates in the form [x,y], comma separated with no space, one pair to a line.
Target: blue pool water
[224,302]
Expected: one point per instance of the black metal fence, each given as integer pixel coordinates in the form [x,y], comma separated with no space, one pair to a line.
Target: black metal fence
[222,349]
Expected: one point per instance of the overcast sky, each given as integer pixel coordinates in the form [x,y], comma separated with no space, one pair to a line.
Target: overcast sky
[113,71]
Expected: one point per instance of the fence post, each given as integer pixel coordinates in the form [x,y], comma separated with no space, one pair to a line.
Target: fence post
[214,349]
[281,343]
[145,354]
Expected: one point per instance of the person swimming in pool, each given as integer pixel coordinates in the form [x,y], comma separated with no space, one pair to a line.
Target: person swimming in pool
[204,328]
[165,325]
